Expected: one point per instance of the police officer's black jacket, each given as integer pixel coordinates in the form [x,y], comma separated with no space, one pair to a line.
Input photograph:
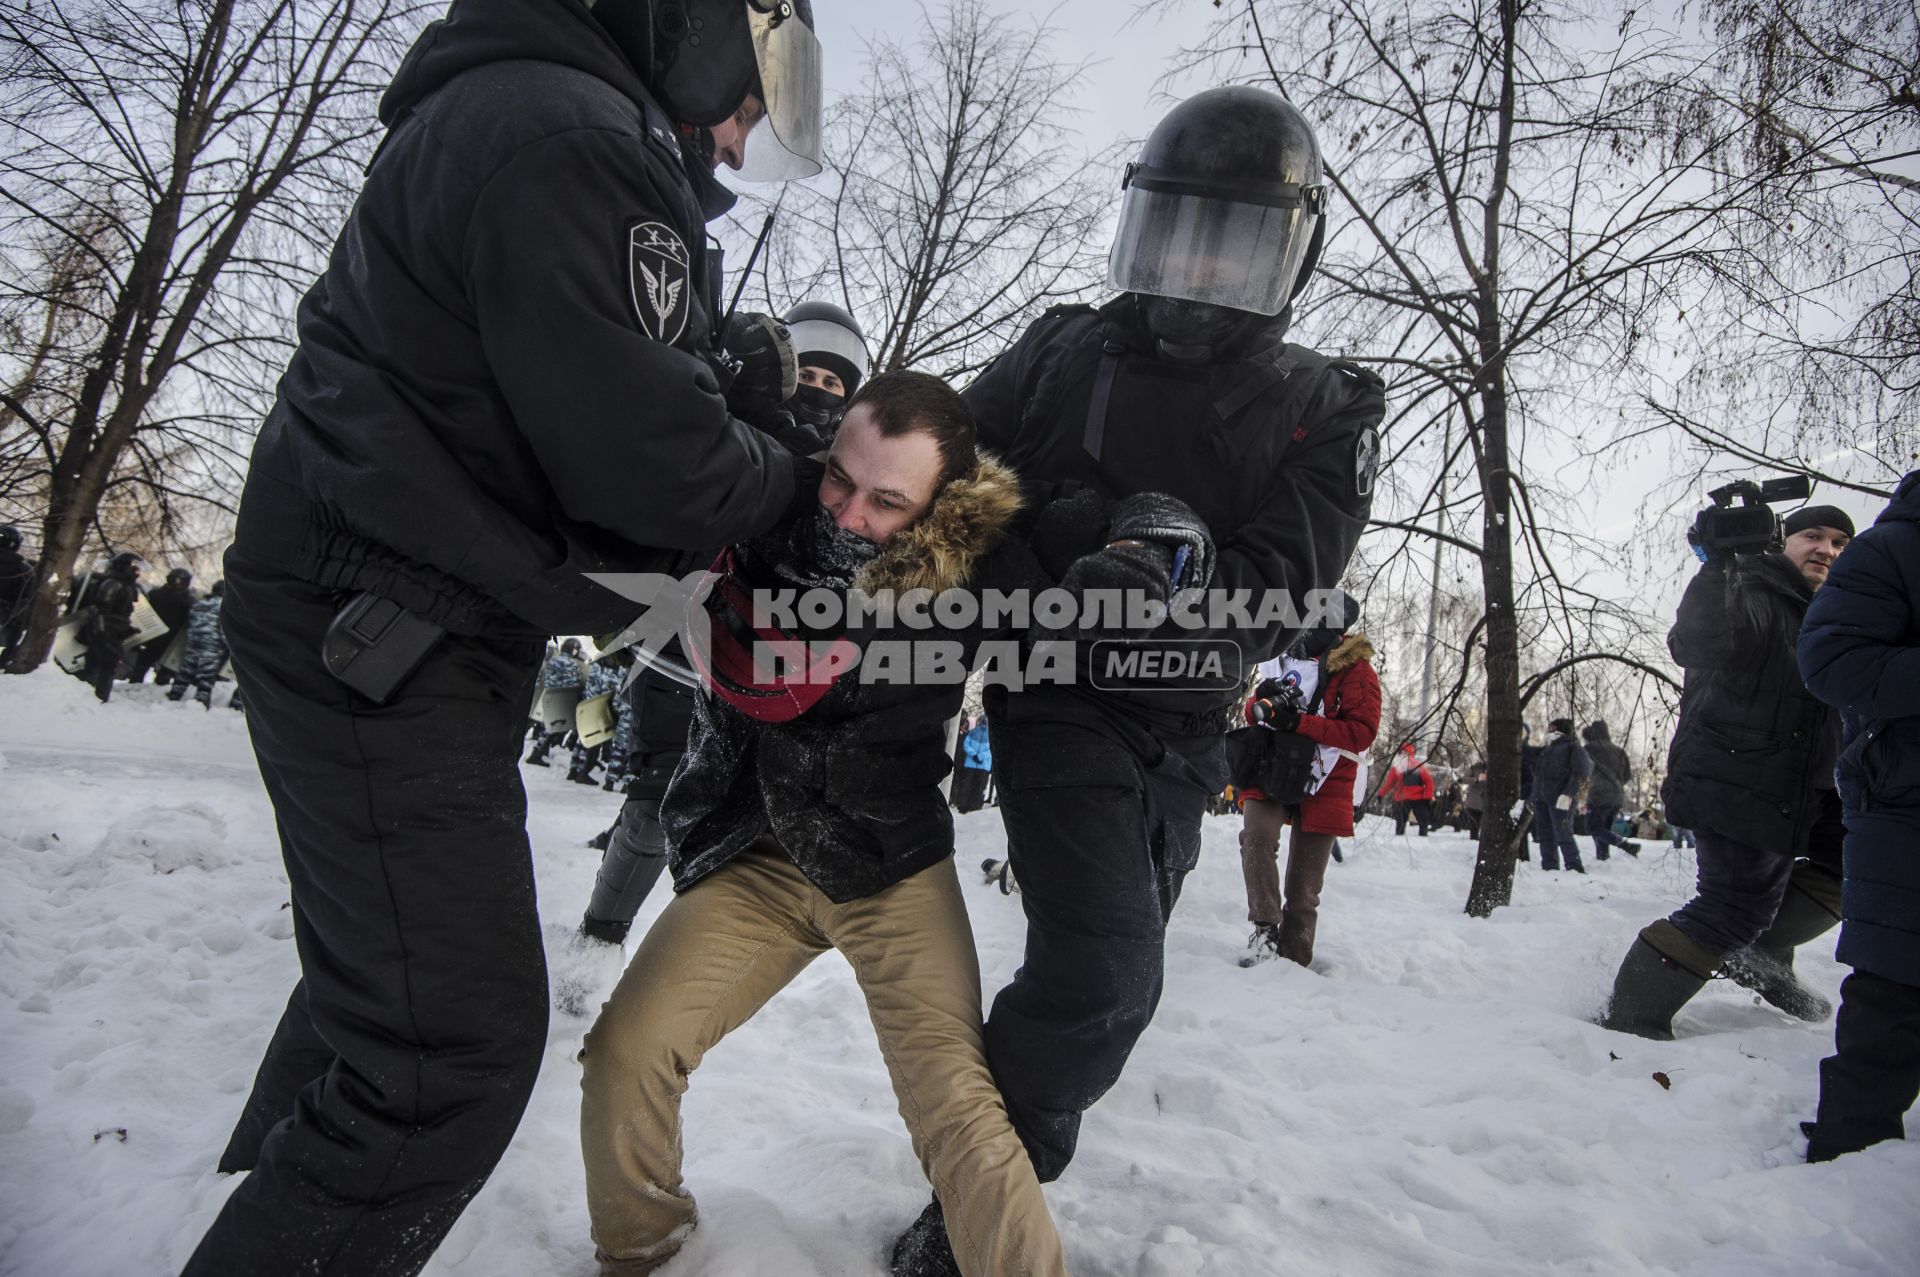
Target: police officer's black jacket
[16,573]
[1274,446]
[850,788]
[500,380]
[1752,744]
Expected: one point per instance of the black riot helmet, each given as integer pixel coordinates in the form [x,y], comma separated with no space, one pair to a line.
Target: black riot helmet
[702,58]
[180,578]
[571,647]
[9,537]
[825,336]
[1226,205]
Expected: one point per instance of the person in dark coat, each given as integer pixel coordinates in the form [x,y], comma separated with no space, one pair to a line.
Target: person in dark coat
[16,575]
[1750,772]
[1558,775]
[806,815]
[1606,789]
[505,395]
[1860,653]
[1474,799]
[1183,385]
[171,602]
[110,599]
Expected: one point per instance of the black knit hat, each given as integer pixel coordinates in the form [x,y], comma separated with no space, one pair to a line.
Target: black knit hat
[1817,516]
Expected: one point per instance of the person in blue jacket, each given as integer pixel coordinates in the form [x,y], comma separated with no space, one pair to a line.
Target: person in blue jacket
[1860,652]
[975,767]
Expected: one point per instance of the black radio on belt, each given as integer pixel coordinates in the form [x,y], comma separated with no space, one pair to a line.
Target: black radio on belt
[374,644]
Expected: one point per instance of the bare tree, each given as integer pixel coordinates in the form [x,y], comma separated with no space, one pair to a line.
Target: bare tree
[955,205]
[1520,212]
[174,171]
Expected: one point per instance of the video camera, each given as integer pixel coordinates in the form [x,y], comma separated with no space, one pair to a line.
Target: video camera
[1724,529]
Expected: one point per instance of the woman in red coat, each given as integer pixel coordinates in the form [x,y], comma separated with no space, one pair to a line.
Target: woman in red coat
[1343,723]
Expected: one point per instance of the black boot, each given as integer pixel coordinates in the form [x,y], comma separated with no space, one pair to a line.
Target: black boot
[923,1250]
[1631,848]
[1651,987]
[1810,909]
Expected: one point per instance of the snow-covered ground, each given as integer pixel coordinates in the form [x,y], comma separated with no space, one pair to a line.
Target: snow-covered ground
[1430,1100]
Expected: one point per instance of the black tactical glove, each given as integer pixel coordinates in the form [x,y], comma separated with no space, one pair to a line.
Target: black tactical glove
[1158,519]
[767,372]
[1141,575]
[807,474]
[1068,529]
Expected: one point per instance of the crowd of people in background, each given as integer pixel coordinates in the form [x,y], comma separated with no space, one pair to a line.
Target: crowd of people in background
[113,630]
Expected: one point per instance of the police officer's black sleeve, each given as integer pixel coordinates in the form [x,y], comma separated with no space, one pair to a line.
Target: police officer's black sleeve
[632,433]
[1315,511]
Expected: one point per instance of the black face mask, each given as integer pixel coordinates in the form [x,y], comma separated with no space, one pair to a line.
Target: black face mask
[1314,644]
[1190,331]
[816,406]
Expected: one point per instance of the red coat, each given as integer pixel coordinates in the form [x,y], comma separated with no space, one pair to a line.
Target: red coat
[1349,718]
[1408,784]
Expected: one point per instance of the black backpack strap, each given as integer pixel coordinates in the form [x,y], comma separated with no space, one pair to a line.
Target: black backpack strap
[1112,355]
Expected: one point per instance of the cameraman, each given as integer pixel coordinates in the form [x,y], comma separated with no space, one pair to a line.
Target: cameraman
[1750,771]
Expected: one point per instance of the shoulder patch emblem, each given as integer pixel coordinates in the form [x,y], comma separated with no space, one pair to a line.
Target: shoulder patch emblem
[658,275]
[1366,461]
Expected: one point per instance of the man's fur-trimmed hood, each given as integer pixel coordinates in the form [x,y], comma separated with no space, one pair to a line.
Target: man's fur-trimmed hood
[1348,652]
[968,519]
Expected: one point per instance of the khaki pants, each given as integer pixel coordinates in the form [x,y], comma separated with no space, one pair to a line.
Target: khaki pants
[714,957]
[1307,855]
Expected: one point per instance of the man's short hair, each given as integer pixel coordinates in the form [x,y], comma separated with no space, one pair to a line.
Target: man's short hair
[905,402]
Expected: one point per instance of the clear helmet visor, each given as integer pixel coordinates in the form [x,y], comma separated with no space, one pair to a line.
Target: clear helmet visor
[1207,249]
[824,336]
[786,143]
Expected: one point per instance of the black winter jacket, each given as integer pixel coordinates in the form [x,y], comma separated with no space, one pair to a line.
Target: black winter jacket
[1752,743]
[1274,447]
[1612,771]
[1860,652]
[16,573]
[851,787]
[1559,769]
[112,598]
[501,381]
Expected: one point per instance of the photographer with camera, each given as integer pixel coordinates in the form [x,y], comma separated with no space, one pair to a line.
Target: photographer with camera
[1311,719]
[1750,769]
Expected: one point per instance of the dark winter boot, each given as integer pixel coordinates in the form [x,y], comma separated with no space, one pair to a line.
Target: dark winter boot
[1631,848]
[581,775]
[923,1250]
[1810,909]
[599,841]
[1263,945]
[1661,973]
[606,932]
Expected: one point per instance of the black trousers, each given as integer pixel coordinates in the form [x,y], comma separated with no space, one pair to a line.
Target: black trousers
[969,789]
[409,1048]
[1103,824]
[1872,1078]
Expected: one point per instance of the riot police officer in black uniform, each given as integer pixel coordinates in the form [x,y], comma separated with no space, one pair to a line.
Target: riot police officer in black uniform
[506,378]
[831,351]
[1182,385]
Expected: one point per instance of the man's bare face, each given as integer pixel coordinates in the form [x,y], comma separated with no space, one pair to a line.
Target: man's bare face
[875,485]
[730,137]
[1813,551]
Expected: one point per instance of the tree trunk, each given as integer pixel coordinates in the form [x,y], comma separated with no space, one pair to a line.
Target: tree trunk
[1493,868]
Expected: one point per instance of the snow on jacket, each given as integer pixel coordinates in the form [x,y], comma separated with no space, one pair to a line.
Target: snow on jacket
[850,787]
[1612,769]
[502,379]
[1272,447]
[1561,768]
[1752,744]
[1860,652]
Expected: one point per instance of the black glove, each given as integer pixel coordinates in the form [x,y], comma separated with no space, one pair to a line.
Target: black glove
[807,474]
[1069,529]
[1139,572]
[1157,518]
[1275,704]
[767,372]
